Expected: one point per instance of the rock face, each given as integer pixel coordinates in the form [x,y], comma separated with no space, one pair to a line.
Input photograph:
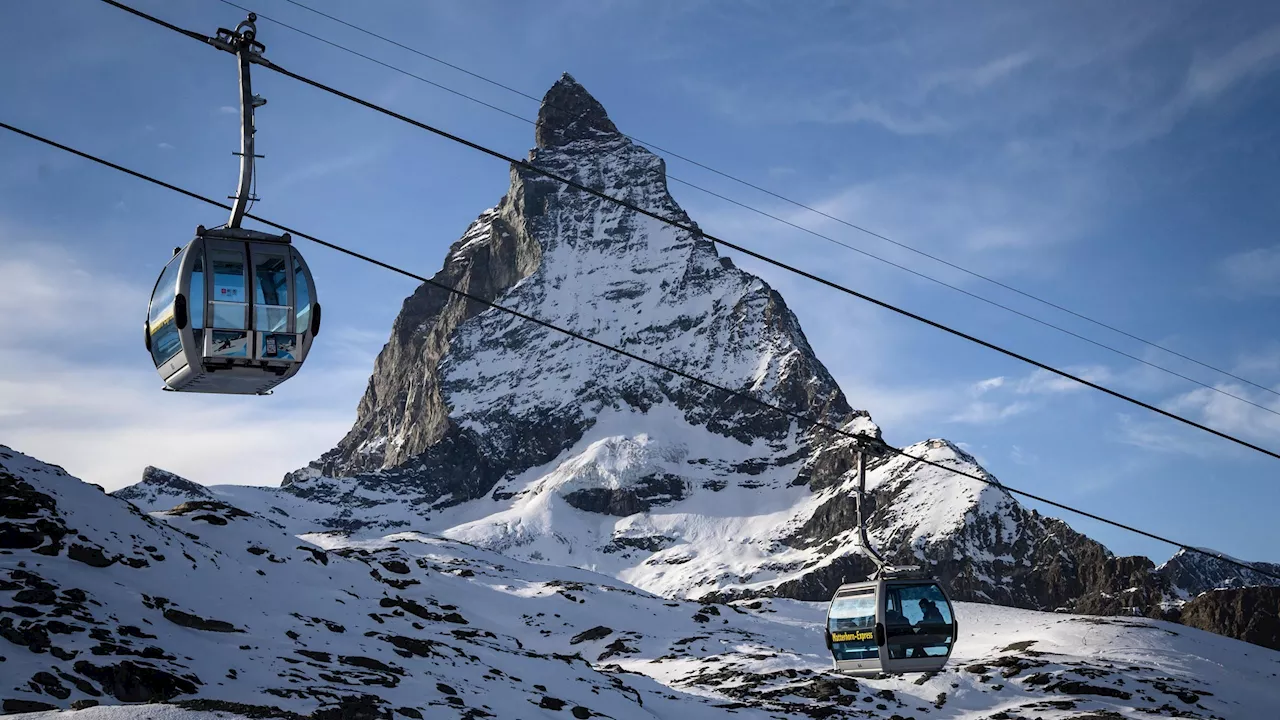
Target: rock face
[1192,574]
[161,490]
[1251,614]
[476,396]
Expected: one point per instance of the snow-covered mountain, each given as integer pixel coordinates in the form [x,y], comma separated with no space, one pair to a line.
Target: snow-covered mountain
[1193,573]
[480,426]
[223,612]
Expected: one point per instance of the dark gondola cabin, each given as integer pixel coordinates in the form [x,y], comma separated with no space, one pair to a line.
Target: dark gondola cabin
[235,312]
[891,625]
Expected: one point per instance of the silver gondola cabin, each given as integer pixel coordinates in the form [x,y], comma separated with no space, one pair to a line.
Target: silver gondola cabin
[897,621]
[235,311]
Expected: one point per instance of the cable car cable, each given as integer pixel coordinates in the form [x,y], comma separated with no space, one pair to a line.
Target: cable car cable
[875,442]
[776,195]
[568,182]
[786,222]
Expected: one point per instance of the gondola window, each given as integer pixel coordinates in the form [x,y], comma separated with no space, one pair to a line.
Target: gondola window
[851,622]
[917,621]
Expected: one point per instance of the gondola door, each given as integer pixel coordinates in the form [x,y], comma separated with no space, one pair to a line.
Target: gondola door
[852,622]
[919,626]
[227,337]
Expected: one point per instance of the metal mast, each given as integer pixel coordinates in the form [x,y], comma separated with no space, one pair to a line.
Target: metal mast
[247,51]
[872,553]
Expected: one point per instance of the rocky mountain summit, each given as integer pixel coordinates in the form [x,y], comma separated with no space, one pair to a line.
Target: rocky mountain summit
[482,427]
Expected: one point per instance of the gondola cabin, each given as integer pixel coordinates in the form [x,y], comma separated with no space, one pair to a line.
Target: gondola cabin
[891,625]
[234,311]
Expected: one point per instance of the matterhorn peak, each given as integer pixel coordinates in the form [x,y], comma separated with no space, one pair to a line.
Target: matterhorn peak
[570,113]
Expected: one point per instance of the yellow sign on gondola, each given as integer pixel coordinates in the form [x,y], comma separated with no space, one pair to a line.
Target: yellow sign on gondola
[852,636]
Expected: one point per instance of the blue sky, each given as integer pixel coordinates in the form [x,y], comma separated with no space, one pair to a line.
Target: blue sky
[1119,159]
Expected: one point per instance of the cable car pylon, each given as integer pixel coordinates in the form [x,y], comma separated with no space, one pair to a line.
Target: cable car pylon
[898,620]
[235,311]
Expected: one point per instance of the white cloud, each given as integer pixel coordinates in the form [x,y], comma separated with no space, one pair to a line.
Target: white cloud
[1208,77]
[988,413]
[1043,382]
[983,386]
[106,424]
[1022,457]
[165,146]
[1159,436]
[973,79]
[1252,272]
[1230,415]
[229,110]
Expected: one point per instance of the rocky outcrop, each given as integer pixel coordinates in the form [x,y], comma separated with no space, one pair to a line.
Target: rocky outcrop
[161,490]
[1193,573]
[1251,614]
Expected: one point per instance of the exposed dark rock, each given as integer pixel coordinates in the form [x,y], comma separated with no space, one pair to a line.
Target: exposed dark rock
[550,703]
[568,113]
[155,480]
[650,491]
[12,705]
[1251,614]
[362,707]
[254,712]
[128,681]
[216,508]
[369,664]
[1195,573]
[91,556]
[195,622]
[413,646]
[395,566]
[596,633]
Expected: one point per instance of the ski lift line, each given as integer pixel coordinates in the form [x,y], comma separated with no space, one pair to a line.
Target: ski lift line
[784,221]
[794,203]
[818,424]
[568,182]
[376,61]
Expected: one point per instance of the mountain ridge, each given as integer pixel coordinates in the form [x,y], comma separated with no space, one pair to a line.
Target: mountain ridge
[482,427]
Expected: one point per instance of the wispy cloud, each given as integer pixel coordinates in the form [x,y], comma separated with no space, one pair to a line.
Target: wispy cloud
[1230,415]
[164,146]
[1043,382]
[1160,437]
[1251,272]
[322,168]
[985,410]
[1210,76]
[1022,457]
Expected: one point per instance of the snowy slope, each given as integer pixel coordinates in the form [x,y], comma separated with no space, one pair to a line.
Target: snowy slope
[209,605]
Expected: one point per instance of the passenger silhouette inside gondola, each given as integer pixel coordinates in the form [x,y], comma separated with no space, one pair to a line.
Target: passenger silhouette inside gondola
[932,616]
[931,612]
